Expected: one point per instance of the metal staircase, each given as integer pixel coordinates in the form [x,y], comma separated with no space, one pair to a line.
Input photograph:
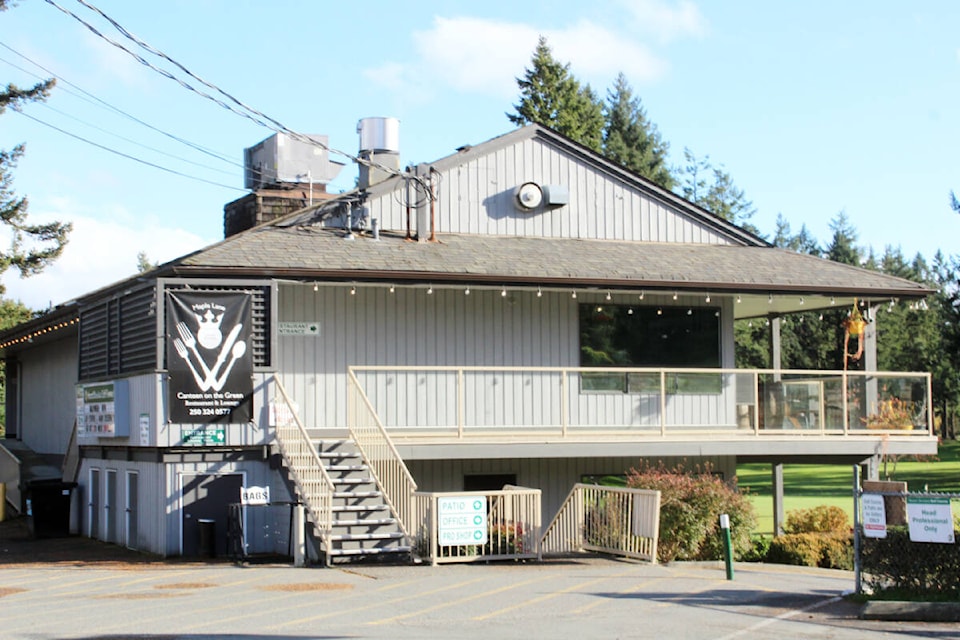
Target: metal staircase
[363,525]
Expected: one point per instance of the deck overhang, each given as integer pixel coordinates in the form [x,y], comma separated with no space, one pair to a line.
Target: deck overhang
[767,448]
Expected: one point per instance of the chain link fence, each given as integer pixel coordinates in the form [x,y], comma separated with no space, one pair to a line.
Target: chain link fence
[906,543]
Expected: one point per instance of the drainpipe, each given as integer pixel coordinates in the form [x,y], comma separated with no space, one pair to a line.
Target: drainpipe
[433,206]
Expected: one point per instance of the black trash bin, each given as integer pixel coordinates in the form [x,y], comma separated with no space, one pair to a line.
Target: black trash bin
[48,507]
[208,537]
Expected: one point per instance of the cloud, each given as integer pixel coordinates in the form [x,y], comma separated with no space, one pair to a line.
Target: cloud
[477,55]
[100,252]
[666,21]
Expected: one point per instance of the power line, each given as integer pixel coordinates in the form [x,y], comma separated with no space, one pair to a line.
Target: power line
[94,99]
[125,155]
[247,112]
[131,141]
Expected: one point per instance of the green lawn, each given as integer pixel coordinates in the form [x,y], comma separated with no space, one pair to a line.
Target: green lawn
[810,485]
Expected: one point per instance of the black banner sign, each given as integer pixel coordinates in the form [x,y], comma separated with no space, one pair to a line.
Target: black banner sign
[209,357]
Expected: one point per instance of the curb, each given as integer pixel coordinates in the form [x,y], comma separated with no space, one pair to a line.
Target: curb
[911,611]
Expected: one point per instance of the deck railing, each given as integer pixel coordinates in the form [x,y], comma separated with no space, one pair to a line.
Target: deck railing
[303,462]
[471,526]
[611,520]
[386,465]
[565,402]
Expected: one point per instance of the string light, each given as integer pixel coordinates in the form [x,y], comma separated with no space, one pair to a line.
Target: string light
[674,295]
[539,292]
[574,295]
[659,311]
[466,291]
[430,290]
[770,298]
[316,287]
[353,291]
[609,297]
[708,298]
[392,289]
[739,299]
[503,292]
[39,332]
[833,300]
[801,299]
[641,295]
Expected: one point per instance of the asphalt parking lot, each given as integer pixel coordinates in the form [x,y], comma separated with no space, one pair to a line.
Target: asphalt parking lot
[590,597]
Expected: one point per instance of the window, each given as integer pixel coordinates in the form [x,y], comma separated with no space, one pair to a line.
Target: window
[649,337]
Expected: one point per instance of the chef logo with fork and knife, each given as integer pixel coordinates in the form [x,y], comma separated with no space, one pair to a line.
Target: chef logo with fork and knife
[208,342]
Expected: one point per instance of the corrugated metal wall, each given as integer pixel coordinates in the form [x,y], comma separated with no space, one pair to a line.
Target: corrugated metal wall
[477,197]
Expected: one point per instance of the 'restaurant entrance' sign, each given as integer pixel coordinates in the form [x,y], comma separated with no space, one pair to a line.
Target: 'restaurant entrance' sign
[209,357]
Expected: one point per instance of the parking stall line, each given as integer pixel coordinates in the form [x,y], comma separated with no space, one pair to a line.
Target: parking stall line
[459,601]
[751,630]
[375,605]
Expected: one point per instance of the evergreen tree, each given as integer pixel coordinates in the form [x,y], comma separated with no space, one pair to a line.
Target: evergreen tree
[630,139]
[712,188]
[33,246]
[550,95]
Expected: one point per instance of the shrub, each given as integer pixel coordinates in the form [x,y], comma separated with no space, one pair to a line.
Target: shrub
[895,565]
[690,506]
[813,549]
[822,519]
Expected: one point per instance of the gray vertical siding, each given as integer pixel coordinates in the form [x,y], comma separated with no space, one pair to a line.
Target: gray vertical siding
[151,532]
[555,477]
[48,402]
[476,197]
[448,328]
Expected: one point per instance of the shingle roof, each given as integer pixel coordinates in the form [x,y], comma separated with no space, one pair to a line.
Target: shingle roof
[316,253]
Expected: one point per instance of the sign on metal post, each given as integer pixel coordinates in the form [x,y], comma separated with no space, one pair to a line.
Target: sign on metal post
[462,520]
[874,515]
[930,519]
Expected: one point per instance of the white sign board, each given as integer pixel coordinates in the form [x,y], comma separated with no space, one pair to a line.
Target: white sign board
[462,521]
[298,329]
[874,515]
[930,520]
[254,495]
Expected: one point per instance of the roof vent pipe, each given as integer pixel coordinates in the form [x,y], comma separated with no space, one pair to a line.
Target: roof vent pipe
[379,150]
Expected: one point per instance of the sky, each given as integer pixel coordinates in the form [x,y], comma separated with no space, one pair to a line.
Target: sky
[813,108]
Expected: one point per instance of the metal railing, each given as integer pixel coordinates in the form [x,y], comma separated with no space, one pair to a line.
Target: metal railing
[386,465]
[471,526]
[610,520]
[306,469]
[564,402]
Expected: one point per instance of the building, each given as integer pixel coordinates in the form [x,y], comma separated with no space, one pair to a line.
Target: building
[521,312]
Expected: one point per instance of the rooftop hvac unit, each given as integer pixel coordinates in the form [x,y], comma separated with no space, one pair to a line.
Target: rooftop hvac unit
[280,160]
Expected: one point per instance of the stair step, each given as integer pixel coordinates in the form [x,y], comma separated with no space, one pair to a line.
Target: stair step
[337,481]
[360,507]
[356,494]
[347,467]
[338,454]
[341,537]
[372,522]
[369,552]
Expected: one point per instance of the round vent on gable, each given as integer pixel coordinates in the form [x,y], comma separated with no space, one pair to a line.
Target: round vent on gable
[528,196]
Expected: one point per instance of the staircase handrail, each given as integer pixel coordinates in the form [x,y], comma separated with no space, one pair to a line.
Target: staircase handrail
[319,505]
[388,469]
[71,458]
